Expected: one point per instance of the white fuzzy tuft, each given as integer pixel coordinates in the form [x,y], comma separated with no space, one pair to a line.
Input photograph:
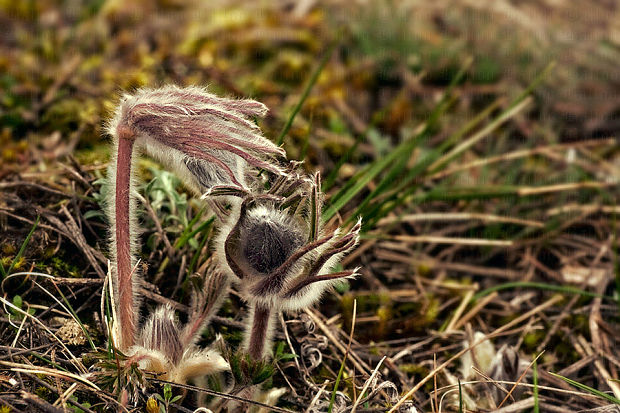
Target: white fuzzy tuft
[483,352]
[197,364]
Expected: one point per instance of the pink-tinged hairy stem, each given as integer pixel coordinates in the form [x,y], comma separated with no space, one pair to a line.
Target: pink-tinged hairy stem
[259,332]
[126,319]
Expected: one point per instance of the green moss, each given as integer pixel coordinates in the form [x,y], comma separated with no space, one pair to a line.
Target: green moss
[19,263]
[413,369]
[432,310]
[6,261]
[580,322]
[384,314]
[533,339]
[63,115]
[8,249]
[424,269]
[231,337]
[27,10]
[42,392]
[57,265]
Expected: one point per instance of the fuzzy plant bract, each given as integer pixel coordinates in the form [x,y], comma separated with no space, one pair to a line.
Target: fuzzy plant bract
[169,350]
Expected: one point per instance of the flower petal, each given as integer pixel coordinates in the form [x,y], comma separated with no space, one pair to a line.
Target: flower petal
[161,333]
[198,363]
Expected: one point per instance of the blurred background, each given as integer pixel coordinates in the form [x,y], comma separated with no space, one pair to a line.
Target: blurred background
[64,63]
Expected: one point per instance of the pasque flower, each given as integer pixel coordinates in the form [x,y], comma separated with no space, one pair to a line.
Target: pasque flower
[206,140]
[272,241]
[275,245]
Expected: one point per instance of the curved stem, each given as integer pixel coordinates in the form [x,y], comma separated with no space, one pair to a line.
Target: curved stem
[126,310]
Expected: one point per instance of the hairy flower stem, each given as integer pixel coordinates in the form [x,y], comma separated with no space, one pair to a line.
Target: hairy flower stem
[259,333]
[126,316]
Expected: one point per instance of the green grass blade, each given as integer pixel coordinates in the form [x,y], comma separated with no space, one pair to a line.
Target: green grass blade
[107,303]
[403,151]
[359,181]
[336,384]
[50,362]
[534,84]
[497,122]
[182,240]
[331,178]
[21,251]
[467,193]
[306,143]
[401,162]
[587,388]
[194,262]
[313,78]
[359,184]
[201,244]
[188,229]
[400,196]
[432,163]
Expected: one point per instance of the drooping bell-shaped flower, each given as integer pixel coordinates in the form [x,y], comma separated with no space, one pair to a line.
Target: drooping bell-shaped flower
[207,140]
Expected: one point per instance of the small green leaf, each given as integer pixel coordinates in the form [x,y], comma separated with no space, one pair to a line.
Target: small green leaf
[94,213]
[17,301]
[279,350]
[167,392]
[263,374]
[287,356]
[313,78]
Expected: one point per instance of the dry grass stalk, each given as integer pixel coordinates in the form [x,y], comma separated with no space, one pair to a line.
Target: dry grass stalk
[498,331]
